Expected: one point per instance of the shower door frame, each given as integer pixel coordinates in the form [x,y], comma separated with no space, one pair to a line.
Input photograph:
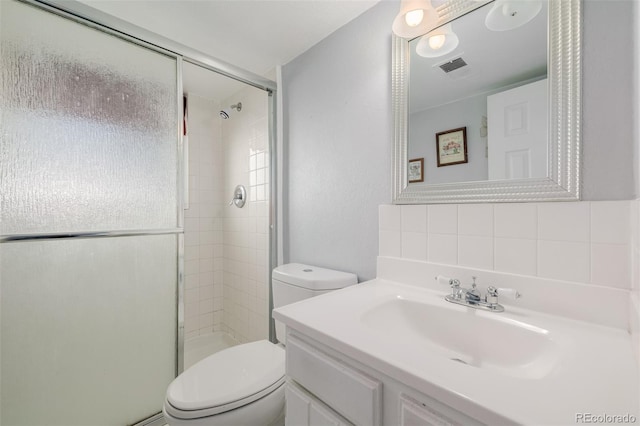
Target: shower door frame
[86,15]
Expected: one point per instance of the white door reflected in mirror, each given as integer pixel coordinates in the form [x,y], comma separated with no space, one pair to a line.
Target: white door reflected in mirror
[517,124]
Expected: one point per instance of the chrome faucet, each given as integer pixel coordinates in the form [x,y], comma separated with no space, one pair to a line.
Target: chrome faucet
[473,298]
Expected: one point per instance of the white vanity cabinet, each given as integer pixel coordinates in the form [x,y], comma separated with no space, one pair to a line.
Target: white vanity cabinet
[383,353]
[326,387]
[304,409]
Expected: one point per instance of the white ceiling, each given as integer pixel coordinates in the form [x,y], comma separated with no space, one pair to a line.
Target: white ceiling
[256,35]
[208,84]
[495,60]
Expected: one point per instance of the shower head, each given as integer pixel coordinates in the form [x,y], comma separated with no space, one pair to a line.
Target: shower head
[224,114]
[237,107]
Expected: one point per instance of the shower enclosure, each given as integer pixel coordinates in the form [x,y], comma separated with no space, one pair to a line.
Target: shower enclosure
[226,239]
[93,227]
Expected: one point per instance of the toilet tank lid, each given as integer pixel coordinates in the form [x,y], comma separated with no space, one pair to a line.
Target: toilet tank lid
[313,277]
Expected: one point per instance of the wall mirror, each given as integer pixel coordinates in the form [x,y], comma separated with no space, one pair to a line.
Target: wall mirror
[487,104]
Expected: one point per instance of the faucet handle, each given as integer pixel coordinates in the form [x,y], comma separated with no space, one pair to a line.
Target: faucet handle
[456,291]
[441,279]
[493,292]
[511,293]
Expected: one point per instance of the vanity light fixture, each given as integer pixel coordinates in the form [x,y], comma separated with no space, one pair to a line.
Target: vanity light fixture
[507,15]
[438,42]
[415,18]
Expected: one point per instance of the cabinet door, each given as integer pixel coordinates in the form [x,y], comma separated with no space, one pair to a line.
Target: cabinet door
[322,416]
[297,406]
[347,390]
[303,409]
[414,413]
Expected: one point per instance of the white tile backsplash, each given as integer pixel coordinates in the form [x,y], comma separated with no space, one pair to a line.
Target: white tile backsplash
[390,243]
[442,218]
[442,248]
[563,221]
[610,221]
[516,256]
[610,265]
[584,242]
[414,245]
[414,218]
[389,218]
[475,219]
[563,260]
[516,220]
[475,252]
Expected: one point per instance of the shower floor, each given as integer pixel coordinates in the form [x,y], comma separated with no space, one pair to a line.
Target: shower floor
[200,347]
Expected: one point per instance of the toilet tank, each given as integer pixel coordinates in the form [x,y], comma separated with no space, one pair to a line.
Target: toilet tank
[295,281]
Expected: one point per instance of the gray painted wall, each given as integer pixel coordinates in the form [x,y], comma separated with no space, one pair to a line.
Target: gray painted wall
[338,132]
[423,126]
[608,100]
[337,138]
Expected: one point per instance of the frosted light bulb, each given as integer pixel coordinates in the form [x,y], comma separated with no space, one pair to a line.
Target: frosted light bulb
[414,17]
[437,41]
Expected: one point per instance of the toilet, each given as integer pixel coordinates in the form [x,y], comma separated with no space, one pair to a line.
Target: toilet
[244,384]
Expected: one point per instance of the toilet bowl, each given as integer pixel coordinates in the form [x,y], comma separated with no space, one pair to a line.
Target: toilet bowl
[244,385]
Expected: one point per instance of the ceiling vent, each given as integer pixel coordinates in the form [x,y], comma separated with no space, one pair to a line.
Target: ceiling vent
[453,65]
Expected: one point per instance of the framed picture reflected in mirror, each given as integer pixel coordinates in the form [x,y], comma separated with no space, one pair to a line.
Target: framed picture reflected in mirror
[451,146]
[416,170]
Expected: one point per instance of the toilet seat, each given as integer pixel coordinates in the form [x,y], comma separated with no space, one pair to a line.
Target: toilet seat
[227,380]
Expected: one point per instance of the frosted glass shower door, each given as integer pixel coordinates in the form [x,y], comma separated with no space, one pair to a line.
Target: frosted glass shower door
[88,329]
[89,225]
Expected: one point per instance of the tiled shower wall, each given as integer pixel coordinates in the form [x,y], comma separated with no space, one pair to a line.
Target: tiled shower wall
[246,230]
[203,222]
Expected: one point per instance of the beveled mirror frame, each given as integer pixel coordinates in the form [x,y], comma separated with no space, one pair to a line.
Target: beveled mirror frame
[564,158]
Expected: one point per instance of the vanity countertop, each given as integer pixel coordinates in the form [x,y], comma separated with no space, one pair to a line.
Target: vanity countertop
[565,368]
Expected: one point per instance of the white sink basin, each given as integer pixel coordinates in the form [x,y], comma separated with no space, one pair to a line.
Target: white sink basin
[468,336]
[525,366]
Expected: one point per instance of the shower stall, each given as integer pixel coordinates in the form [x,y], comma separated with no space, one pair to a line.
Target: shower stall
[118,245]
[227,216]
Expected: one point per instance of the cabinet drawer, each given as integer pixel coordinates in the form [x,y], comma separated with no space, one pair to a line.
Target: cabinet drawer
[303,409]
[350,392]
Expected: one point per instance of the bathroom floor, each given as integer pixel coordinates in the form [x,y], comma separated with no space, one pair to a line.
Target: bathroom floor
[200,347]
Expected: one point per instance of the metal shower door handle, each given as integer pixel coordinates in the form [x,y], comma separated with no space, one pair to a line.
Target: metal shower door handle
[239,196]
